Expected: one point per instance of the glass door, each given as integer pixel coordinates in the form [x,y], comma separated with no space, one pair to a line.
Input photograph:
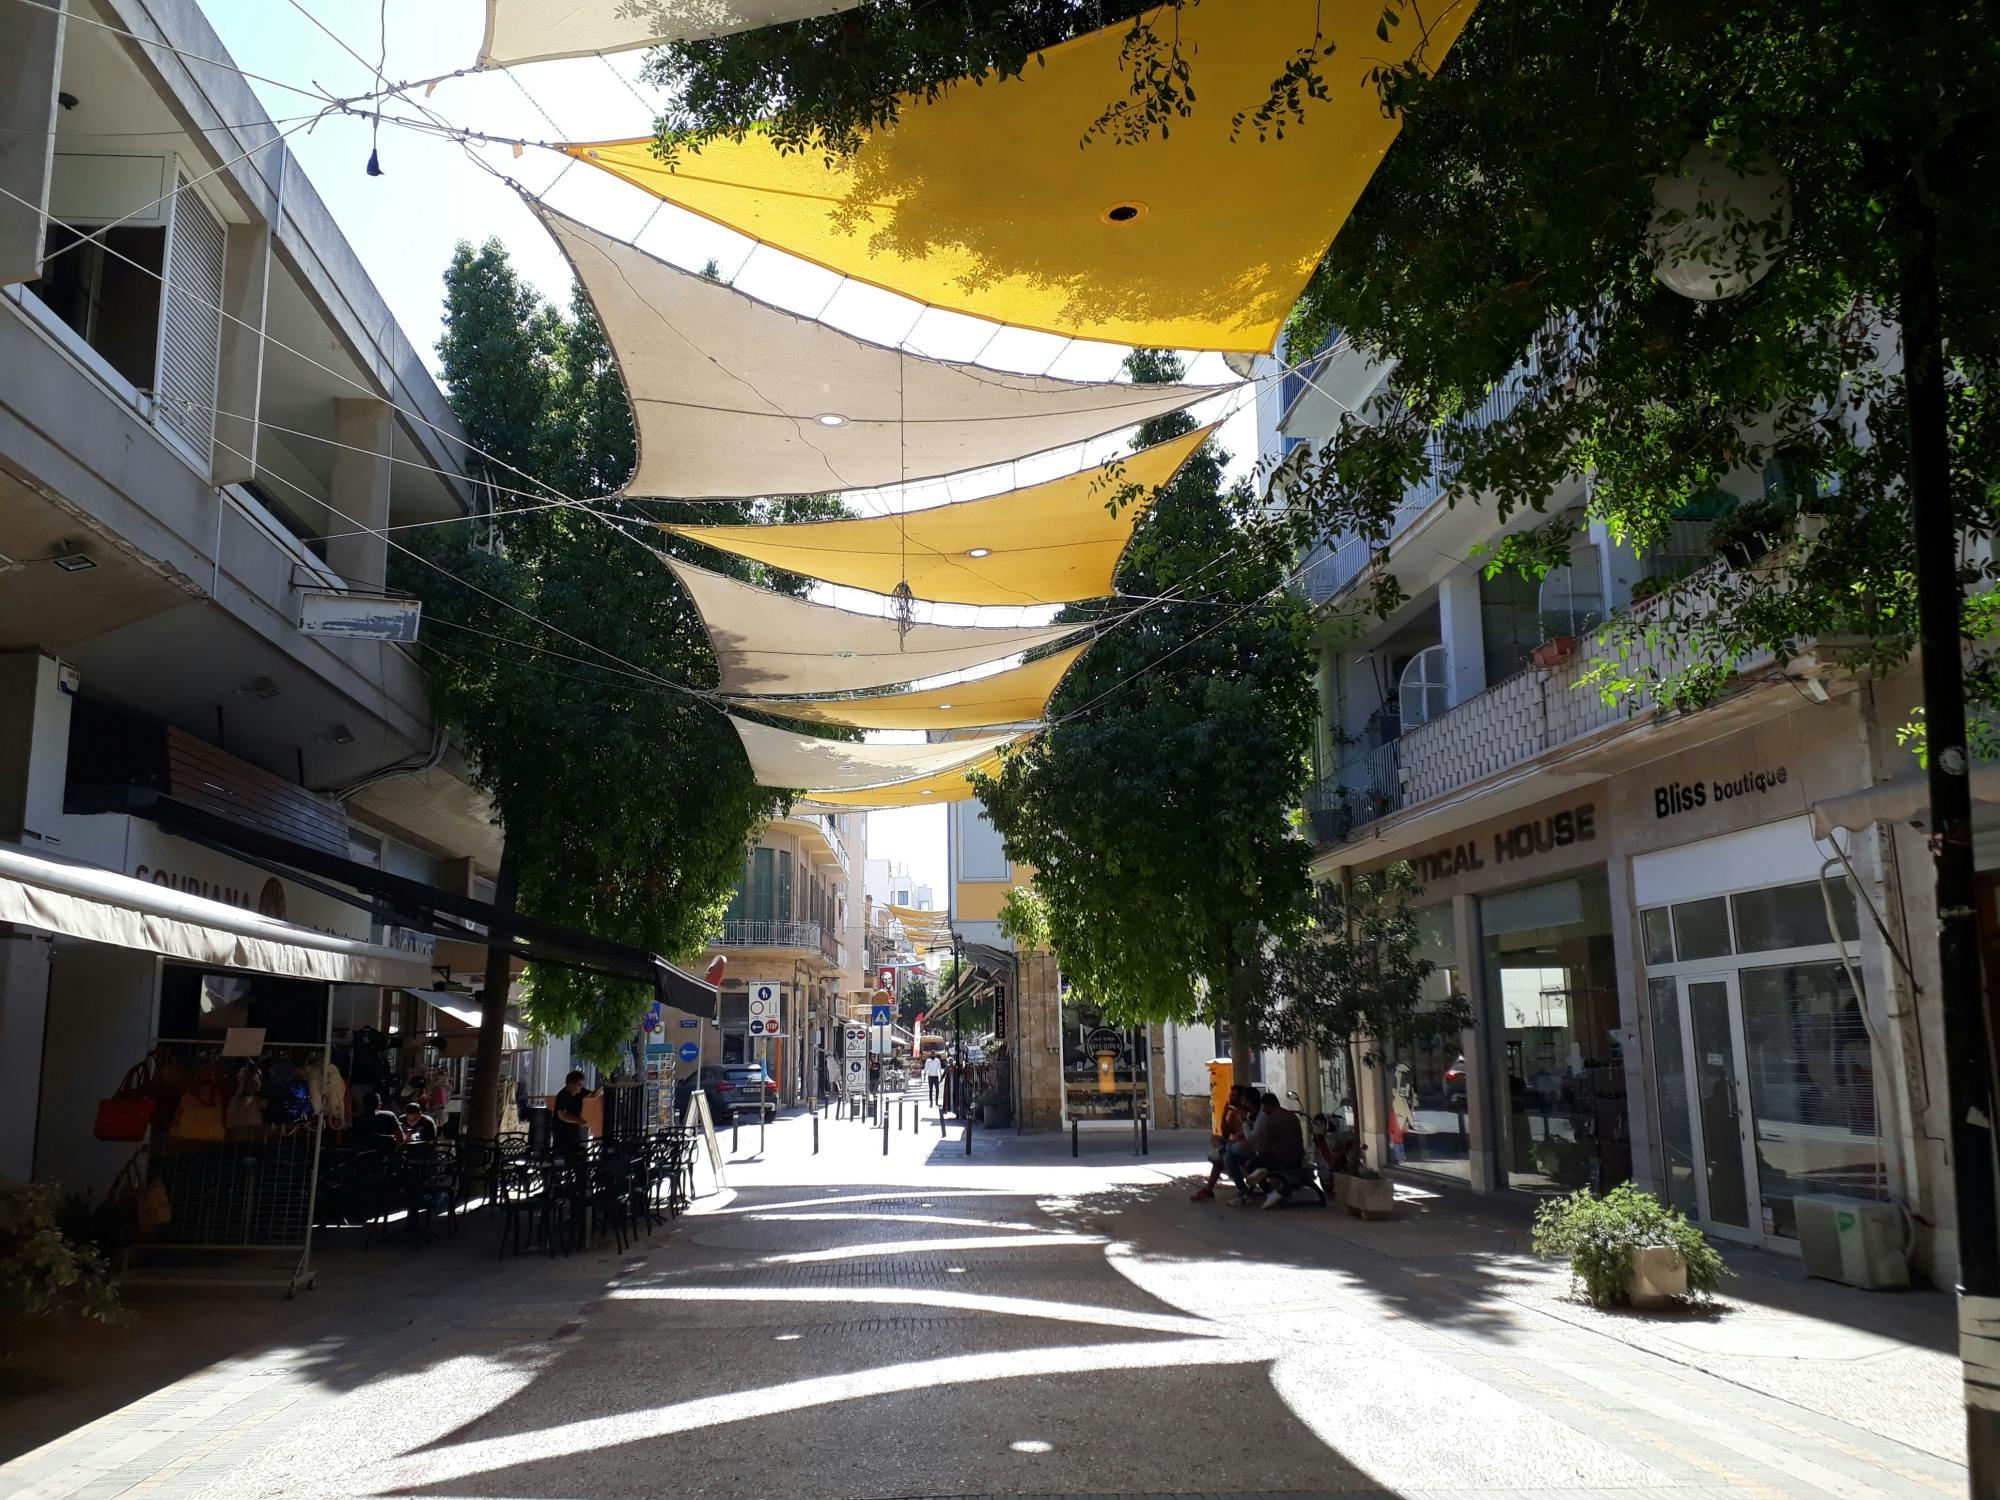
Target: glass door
[1718,1105]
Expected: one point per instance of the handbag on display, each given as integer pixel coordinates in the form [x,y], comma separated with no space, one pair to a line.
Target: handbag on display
[199,1115]
[152,1208]
[128,1114]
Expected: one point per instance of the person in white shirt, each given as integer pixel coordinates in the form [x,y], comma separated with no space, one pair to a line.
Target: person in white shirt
[933,1074]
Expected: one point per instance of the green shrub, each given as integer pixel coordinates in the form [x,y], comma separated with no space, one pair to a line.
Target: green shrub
[1600,1234]
[42,1270]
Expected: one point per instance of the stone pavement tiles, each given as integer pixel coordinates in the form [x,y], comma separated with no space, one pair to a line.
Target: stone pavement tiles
[1018,1323]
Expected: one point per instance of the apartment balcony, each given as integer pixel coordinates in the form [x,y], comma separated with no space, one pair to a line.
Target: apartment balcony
[820,838]
[754,932]
[1527,736]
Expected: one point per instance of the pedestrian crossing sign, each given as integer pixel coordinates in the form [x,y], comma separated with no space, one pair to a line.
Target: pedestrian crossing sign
[878,1015]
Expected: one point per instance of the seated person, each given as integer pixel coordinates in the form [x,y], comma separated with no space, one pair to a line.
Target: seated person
[1274,1144]
[379,1124]
[419,1129]
[1226,1149]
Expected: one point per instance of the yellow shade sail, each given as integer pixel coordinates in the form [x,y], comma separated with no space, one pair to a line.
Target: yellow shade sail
[1199,236]
[920,791]
[1050,543]
[1015,696]
[786,758]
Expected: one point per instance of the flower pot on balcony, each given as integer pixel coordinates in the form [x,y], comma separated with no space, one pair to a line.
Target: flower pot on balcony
[1372,1197]
[1659,1275]
[1554,651]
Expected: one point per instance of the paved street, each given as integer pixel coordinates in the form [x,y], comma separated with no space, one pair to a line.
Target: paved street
[1018,1323]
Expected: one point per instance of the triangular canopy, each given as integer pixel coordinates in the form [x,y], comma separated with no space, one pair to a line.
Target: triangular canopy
[921,791]
[1199,236]
[523,31]
[1049,543]
[783,757]
[773,643]
[1016,696]
[734,397]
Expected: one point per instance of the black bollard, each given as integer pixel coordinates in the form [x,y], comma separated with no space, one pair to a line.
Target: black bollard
[1072,1138]
[735,1131]
[885,1132]
[968,1135]
[815,1135]
[1145,1147]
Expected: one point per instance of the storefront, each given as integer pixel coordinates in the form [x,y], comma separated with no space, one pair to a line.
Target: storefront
[1665,988]
[1105,1067]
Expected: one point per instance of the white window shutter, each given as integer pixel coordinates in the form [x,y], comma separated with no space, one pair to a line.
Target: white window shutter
[191,321]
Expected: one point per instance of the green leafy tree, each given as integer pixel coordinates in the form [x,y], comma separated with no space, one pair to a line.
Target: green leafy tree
[562,655]
[917,997]
[1353,981]
[1157,807]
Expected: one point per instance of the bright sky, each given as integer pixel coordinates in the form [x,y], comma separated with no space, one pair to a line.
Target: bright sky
[431,195]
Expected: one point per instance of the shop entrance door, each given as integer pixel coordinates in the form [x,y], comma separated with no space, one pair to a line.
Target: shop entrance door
[1719,1105]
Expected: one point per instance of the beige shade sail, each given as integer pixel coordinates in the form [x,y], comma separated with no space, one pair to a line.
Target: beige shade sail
[786,758]
[736,398]
[525,31]
[1200,235]
[1015,696]
[773,643]
[1050,543]
[919,791]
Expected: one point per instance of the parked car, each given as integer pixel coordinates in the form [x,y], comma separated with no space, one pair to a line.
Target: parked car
[738,1086]
[1454,1084]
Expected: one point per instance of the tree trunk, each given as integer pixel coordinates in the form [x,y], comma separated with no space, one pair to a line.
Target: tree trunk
[482,1109]
[1968,1047]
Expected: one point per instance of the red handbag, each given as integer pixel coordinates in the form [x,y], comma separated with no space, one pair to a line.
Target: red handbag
[128,1114]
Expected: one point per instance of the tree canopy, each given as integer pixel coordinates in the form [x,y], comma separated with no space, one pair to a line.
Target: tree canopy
[1156,807]
[1512,219]
[561,652]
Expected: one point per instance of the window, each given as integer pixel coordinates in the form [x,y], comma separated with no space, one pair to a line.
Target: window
[1701,929]
[109,302]
[1657,932]
[1792,916]
[191,330]
[763,885]
[1572,596]
[785,912]
[1422,693]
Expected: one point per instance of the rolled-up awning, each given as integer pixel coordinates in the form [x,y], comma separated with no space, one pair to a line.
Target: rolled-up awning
[100,906]
[458,1013]
[1906,799]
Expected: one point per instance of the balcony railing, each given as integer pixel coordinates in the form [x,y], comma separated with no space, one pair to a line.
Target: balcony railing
[757,932]
[1363,787]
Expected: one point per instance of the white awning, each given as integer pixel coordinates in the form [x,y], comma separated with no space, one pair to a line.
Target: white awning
[1907,799]
[99,906]
[525,31]
[782,758]
[733,397]
[463,1015]
[769,643]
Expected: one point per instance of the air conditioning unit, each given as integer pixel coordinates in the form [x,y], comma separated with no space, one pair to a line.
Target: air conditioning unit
[1855,1240]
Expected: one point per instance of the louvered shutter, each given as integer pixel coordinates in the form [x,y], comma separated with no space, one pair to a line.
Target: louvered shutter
[190,324]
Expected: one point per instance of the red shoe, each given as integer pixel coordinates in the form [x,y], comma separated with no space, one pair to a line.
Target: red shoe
[1205,1195]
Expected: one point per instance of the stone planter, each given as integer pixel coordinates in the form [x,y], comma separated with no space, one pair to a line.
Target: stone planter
[1659,1276]
[1368,1197]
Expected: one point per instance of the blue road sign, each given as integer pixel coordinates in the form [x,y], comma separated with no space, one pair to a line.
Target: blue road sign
[690,1051]
[878,1015]
[688,1023]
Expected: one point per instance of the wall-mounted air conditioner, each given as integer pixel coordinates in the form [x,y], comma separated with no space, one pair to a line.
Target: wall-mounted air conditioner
[1855,1240]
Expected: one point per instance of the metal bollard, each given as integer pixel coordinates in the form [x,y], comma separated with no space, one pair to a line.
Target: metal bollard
[968,1135]
[815,1135]
[1145,1146]
[735,1131]
[885,1132]
[1072,1138]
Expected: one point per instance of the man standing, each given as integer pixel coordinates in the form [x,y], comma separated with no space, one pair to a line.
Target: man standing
[566,1125]
[933,1076]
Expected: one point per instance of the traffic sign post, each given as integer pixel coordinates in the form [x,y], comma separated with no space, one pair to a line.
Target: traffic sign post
[765,1003]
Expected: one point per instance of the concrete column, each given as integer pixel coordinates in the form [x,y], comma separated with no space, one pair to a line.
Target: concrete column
[24,1009]
[31,46]
[1629,965]
[1482,1075]
[239,376]
[34,746]
[1620,567]
[1464,640]
[365,427]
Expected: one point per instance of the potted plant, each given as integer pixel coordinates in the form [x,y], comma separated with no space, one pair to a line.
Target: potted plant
[1351,982]
[1554,651]
[1627,1248]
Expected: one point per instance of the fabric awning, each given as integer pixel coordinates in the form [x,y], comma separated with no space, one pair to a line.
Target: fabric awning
[920,791]
[1015,696]
[734,397]
[1051,543]
[1200,236]
[457,1013]
[1906,799]
[784,758]
[767,643]
[525,31]
[100,906]
[447,915]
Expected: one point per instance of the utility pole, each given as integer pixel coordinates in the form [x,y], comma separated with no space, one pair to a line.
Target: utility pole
[1969,1052]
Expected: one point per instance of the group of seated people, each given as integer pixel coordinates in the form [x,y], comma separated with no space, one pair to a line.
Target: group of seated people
[1257,1137]
[410,1126]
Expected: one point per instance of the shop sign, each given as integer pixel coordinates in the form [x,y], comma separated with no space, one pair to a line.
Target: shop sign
[1519,841]
[418,944]
[1677,797]
[195,870]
